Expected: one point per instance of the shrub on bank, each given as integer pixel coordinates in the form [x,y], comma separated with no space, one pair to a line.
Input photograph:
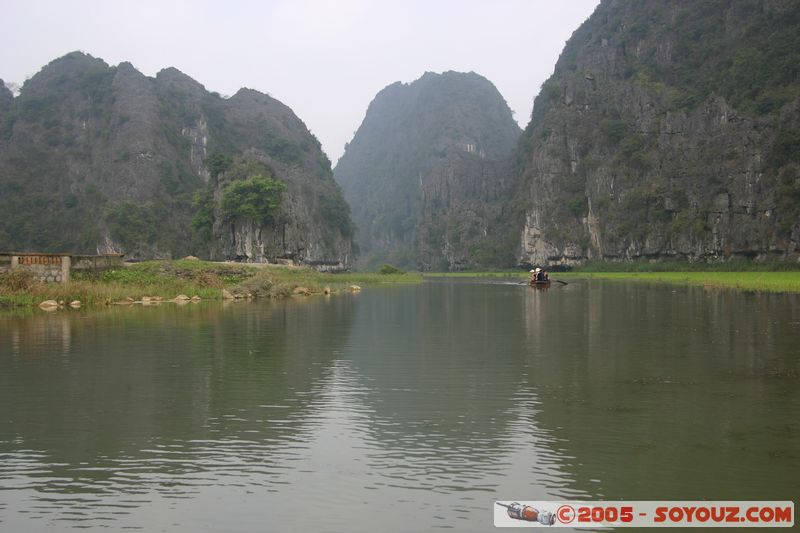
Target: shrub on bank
[17,280]
[386,270]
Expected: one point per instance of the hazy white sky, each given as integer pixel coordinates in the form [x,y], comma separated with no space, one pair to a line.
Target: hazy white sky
[326,59]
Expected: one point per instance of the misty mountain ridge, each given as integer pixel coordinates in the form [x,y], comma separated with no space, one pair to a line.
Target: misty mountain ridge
[668,130]
[427,171]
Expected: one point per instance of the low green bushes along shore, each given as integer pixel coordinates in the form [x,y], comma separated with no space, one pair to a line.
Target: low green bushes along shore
[167,279]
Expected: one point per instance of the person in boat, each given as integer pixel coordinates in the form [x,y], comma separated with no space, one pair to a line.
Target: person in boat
[539,275]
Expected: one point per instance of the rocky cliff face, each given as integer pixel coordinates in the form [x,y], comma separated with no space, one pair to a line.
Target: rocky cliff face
[463,200]
[428,170]
[96,158]
[668,130]
[6,99]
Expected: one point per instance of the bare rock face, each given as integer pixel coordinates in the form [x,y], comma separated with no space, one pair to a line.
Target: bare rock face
[462,200]
[313,226]
[95,158]
[668,130]
[427,172]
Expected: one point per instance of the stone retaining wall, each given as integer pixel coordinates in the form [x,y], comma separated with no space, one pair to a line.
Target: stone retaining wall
[57,267]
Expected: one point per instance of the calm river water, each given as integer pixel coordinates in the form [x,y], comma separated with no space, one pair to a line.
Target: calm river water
[402,408]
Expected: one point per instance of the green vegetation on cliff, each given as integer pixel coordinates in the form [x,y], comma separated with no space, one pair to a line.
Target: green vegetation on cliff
[102,158]
[669,130]
[75,170]
[747,52]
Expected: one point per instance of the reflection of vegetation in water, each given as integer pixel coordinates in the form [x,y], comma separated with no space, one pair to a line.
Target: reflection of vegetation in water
[620,391]
[149,391]
[444,371]
[668,394]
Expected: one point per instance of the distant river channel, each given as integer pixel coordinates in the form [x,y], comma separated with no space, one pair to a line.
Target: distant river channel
[400,408]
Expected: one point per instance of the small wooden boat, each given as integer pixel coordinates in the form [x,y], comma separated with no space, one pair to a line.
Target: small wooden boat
[540,284]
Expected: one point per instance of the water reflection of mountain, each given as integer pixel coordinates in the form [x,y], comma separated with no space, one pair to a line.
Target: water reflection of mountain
[447,389]
[412,400]
[426,402]
[132,400]
[670,393]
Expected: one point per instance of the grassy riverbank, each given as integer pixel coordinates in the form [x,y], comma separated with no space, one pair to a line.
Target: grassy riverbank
[685,266]
[167,279]
[747,281]
[760,277]
[778,276]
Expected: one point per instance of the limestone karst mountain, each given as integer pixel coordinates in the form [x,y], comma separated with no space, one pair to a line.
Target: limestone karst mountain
[103,158]
[428,173]
[669,129]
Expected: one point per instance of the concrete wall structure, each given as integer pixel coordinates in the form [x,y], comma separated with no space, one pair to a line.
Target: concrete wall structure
[57,267]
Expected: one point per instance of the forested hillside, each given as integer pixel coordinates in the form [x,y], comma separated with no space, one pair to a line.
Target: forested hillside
[97,158]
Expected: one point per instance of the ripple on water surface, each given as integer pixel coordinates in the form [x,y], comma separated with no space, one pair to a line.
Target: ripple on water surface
[427,403]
